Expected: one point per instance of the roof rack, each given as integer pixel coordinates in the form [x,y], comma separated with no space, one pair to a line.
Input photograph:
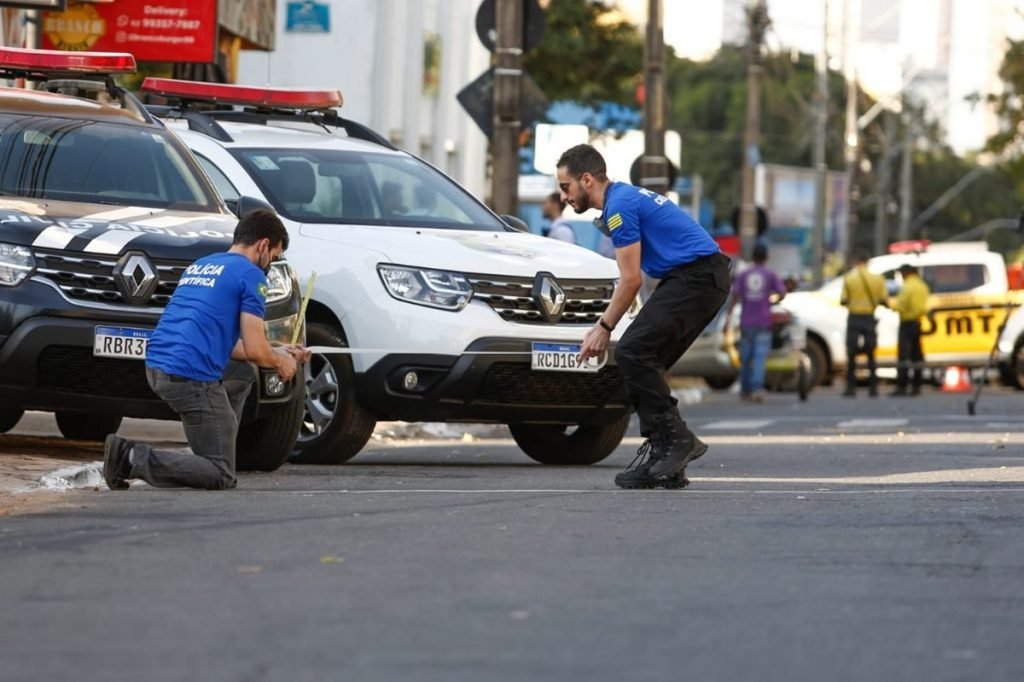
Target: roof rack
[202,105]
[77,74]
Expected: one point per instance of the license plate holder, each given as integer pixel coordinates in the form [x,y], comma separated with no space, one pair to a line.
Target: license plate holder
[120,342]
[561,357]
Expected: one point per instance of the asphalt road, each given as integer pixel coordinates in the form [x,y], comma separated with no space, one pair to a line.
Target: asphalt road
[830,540]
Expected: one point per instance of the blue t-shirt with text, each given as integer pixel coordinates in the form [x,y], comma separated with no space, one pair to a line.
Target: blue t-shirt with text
[200,326]
[668,236]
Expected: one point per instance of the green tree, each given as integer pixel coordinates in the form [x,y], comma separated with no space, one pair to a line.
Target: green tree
[1009,104]
[587,54]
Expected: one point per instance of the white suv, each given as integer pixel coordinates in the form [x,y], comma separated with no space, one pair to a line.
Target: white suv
[452,314]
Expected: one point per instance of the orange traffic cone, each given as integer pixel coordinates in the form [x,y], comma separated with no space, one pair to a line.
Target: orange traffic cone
[958,380]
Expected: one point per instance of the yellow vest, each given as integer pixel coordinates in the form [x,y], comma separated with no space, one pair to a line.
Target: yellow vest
[912,303]
[863,291]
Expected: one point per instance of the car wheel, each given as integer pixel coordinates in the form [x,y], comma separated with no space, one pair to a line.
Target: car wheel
[265,444]
[818,371]
[334,426]
[87,425]
[719,383]
[9,419]
[561,444]
[1016,367]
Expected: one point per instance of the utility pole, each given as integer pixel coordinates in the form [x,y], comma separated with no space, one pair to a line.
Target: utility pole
[882,188]
[654,166]
[757,25]
[906,174]
[851,137]
[820,167]
[508,86]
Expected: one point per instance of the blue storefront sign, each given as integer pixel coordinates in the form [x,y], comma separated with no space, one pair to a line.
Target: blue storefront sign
[307,17]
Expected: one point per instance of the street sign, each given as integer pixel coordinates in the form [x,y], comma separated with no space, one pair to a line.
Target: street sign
[533,24]
[477,99]
[304,16]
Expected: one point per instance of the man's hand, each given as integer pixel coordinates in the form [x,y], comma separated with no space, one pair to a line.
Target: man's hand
[299,352]
[285,362]
[595,343]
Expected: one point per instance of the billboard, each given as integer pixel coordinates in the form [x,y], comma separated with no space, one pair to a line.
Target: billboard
[152,30]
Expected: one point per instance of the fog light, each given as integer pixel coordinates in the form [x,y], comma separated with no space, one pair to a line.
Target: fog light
[410,380]
[274,386]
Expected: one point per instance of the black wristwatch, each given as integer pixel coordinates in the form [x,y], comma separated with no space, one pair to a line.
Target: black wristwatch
[605,326]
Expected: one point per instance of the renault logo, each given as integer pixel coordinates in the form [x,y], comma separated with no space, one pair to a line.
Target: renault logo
[135,277]
[549,297]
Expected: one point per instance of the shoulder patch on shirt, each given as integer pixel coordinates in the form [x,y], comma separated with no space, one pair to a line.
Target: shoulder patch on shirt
[615,221]
[262,290]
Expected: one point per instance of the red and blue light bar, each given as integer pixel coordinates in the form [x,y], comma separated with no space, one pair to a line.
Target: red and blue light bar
[244,95]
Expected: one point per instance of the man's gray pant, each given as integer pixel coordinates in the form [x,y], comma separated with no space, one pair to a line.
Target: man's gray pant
[210,412]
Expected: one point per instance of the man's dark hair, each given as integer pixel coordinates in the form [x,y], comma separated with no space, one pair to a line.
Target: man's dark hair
[581,159]
[262,223]
[760,253]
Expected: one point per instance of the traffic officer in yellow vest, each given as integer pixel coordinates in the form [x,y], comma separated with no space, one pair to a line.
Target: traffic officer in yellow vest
[863,291]
[912,305]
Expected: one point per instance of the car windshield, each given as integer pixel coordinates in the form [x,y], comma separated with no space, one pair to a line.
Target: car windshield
[346,187]
[109,163]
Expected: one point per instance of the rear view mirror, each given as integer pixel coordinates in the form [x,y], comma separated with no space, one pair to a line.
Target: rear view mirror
[242,206]
[514,224]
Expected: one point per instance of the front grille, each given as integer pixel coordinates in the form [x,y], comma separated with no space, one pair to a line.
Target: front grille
[91,278]
[585,299]
[73,369]
[509,383]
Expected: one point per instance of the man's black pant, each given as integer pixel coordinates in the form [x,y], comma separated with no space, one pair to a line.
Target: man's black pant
[909,355]
[682,305]
[861,337]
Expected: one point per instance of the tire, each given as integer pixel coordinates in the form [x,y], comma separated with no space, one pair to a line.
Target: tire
[1015,369]
[720,383]
[87,425]
[818,374]
[554,444]
[9,418]
[334,426]
[266,443]
[803,376]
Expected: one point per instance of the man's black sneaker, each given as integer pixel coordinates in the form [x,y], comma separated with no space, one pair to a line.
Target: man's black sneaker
[673,445]
[116,465]
[633,479]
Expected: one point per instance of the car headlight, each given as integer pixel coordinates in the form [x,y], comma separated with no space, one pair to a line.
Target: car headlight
[279,282]
[16,263]
[434,288]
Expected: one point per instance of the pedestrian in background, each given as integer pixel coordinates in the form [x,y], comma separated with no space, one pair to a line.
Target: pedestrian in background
[652,235]
[198,361]
[558,227]
[863,291]
[912,305]
[754,289]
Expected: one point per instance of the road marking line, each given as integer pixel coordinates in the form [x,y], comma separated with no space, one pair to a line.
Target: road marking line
[748,424]
[617,491]
[872,423]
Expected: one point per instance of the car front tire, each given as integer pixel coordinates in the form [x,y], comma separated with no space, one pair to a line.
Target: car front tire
[335,427]
[556,444]
[9,419]
[265,444]
[87,425]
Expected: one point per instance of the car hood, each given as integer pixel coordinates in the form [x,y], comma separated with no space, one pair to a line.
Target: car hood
[470,251]
[112,230]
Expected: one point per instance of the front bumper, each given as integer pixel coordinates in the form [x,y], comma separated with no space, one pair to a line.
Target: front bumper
[489,388]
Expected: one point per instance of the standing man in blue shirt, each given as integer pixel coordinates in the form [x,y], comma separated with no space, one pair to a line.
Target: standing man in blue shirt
[654,236]
[198,361]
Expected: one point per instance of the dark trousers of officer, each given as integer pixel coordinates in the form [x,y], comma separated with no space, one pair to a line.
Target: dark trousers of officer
[861,337]
[682,305]
[910,355]
[210,413]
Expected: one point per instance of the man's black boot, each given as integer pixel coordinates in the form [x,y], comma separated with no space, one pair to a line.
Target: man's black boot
[638,473]
[117,466]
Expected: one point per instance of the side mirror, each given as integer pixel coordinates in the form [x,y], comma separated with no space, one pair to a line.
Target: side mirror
[244,205]
[514,224]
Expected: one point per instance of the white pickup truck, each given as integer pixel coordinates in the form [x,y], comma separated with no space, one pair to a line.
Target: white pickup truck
[969,302]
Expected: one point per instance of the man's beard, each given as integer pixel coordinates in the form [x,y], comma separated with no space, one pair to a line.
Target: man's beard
[582,204]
